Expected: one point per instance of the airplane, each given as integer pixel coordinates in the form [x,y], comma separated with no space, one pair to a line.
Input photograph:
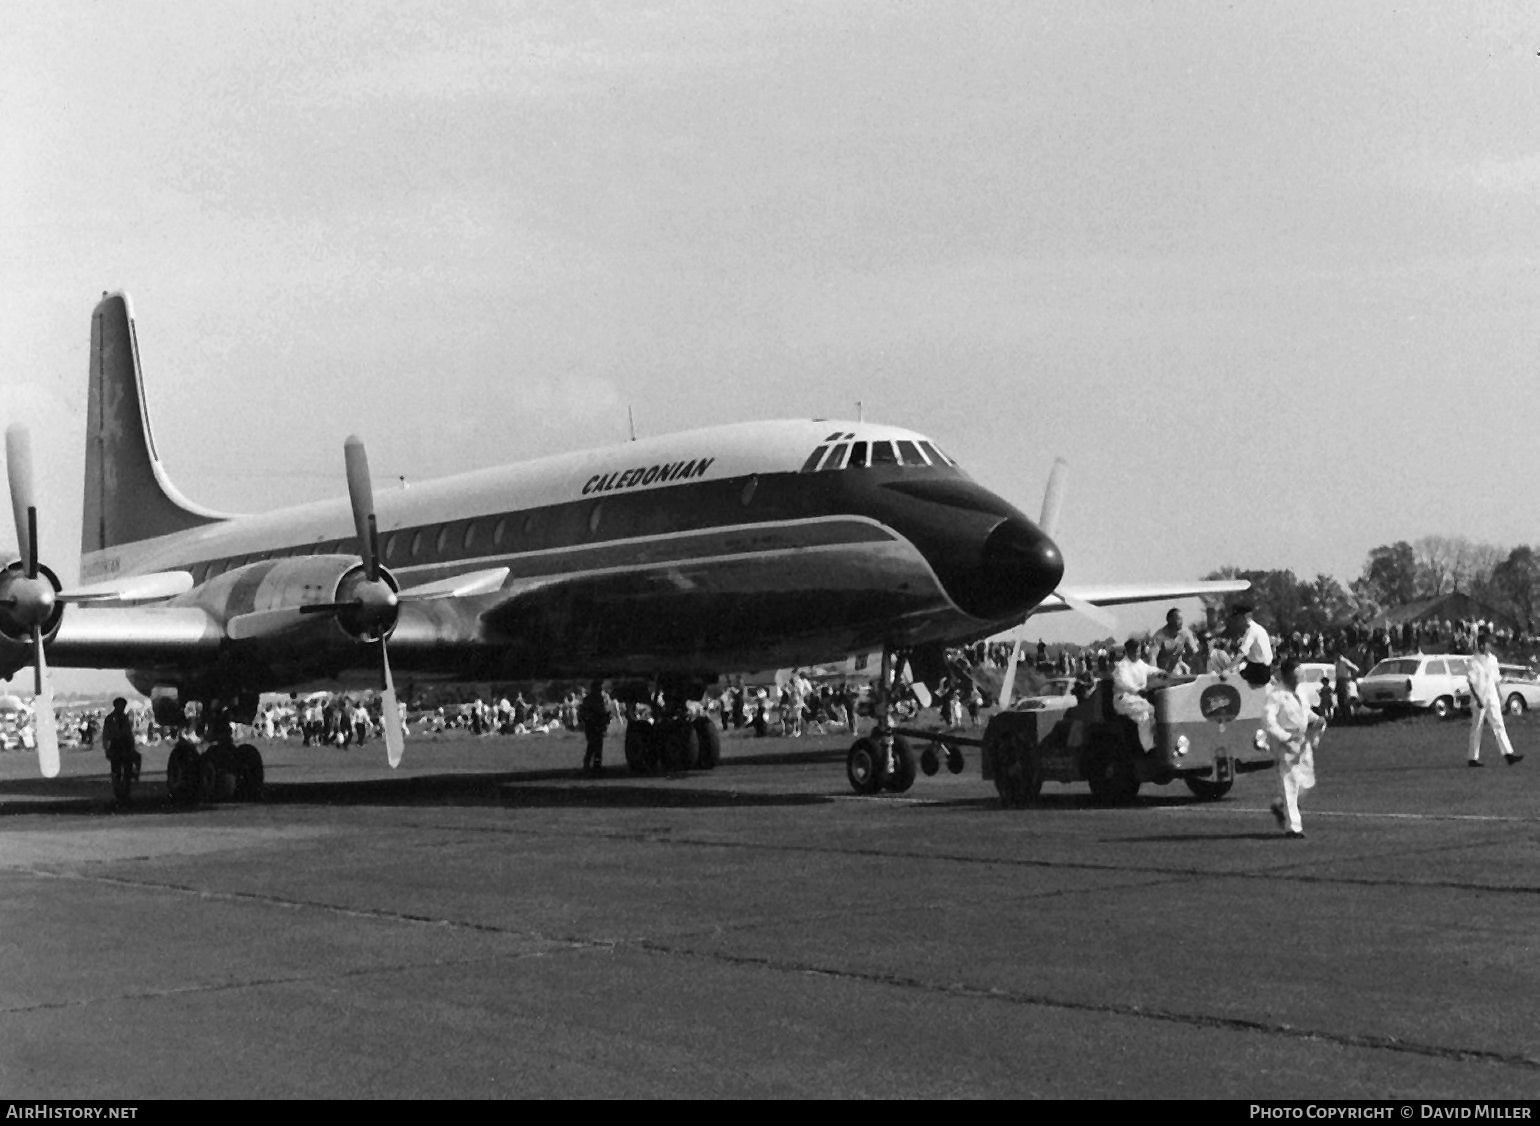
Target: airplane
[674,558]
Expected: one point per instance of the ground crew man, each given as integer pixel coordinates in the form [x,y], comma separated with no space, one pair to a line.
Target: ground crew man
[1130,678]
[1486,702]
[1294,731]
[1346,671]
[1254,651]
[594,715]
[1173,643]
[118,742]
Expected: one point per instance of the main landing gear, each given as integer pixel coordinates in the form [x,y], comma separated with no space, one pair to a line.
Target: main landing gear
[222,772]
[671,744]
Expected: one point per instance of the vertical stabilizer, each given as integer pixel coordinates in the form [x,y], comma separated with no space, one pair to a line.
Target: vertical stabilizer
[128,497]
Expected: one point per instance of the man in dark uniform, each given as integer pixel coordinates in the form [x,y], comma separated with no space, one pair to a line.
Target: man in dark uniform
[118,742]
[594,715]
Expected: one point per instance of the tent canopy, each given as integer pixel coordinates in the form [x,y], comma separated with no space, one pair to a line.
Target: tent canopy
[1454,607]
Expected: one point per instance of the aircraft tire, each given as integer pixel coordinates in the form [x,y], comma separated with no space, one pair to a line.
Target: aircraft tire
[954,760]
[861,767]
[182,773]
[710,742]
[642,749]
[901,777]
[1208,791]
[930,762]
[249,773]
[681,745]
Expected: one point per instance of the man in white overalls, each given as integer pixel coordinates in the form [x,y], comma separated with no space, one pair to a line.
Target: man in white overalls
[1486,702]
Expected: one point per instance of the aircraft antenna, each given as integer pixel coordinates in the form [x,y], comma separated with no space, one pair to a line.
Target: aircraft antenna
[631,421]
[860,412]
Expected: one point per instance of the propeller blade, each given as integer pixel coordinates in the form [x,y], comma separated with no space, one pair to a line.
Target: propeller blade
[361,494]
[1089,609]
[45,726]
[1053,497]
[390,713]
[137,588]
[458,586]
[18,471]
[1008,685]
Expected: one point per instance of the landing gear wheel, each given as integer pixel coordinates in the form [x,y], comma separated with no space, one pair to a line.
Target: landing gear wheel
[681,745]
[901,776]
[182,773]
[642,748]
[249,774]
[954,760]
[861,767]
[1209,791]
[1018,774]
[1110,771]
[208,780]
[930,762]
[710,740]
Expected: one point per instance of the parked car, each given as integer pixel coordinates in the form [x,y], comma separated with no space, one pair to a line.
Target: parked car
[1434,682]
[1520,689]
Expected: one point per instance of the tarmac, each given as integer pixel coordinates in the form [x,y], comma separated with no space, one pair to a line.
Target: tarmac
[485,923]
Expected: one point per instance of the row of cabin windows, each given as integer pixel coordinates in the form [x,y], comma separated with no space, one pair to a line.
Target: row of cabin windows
[396,547]
[845,454]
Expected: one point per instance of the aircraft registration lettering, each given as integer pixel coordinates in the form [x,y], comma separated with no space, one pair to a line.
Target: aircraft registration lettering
[666,473]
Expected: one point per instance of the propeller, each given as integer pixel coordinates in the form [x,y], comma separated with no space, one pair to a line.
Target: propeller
[1053,503]
[32,598]
[375,599]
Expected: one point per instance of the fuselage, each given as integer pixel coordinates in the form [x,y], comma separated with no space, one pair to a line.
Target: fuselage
[732,547]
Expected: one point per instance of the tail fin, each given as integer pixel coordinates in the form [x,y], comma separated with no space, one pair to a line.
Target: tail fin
[128,497]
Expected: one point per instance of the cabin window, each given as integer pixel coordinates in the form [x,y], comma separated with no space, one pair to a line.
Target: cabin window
[500,531]
[470,536]
[595,514]
[747,496]
[392,545]
[442,543]
[417,544]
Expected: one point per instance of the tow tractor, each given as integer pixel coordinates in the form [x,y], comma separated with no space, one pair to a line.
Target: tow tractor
[1208,729]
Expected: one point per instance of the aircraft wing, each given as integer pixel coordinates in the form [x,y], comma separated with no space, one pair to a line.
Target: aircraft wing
[1123,594]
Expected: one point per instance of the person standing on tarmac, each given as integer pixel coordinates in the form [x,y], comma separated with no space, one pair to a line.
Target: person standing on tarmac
[1294,731]
[1486,703]
[594,715]
[118,742]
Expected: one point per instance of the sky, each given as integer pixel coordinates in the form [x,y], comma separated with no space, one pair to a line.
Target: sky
[1265,275]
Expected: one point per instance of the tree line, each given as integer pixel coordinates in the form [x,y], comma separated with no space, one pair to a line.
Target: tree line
[1395,574]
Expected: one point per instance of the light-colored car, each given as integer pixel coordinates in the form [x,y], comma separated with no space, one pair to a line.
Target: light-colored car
[1434,682]
[1520,689]
[1058,691]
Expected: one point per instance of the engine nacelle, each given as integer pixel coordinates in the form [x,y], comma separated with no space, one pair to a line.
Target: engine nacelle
[22,600]
[360,609]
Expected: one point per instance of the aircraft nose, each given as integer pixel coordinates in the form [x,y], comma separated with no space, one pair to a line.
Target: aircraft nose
[1018,567]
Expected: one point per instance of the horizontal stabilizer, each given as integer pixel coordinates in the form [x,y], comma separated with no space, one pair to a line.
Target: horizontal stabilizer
[1124,594]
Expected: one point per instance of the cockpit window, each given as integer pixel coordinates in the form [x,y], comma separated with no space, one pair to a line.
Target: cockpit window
[836,458]
[935,455]
[858,455]
[909,454]
[882,454]
[814,458]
